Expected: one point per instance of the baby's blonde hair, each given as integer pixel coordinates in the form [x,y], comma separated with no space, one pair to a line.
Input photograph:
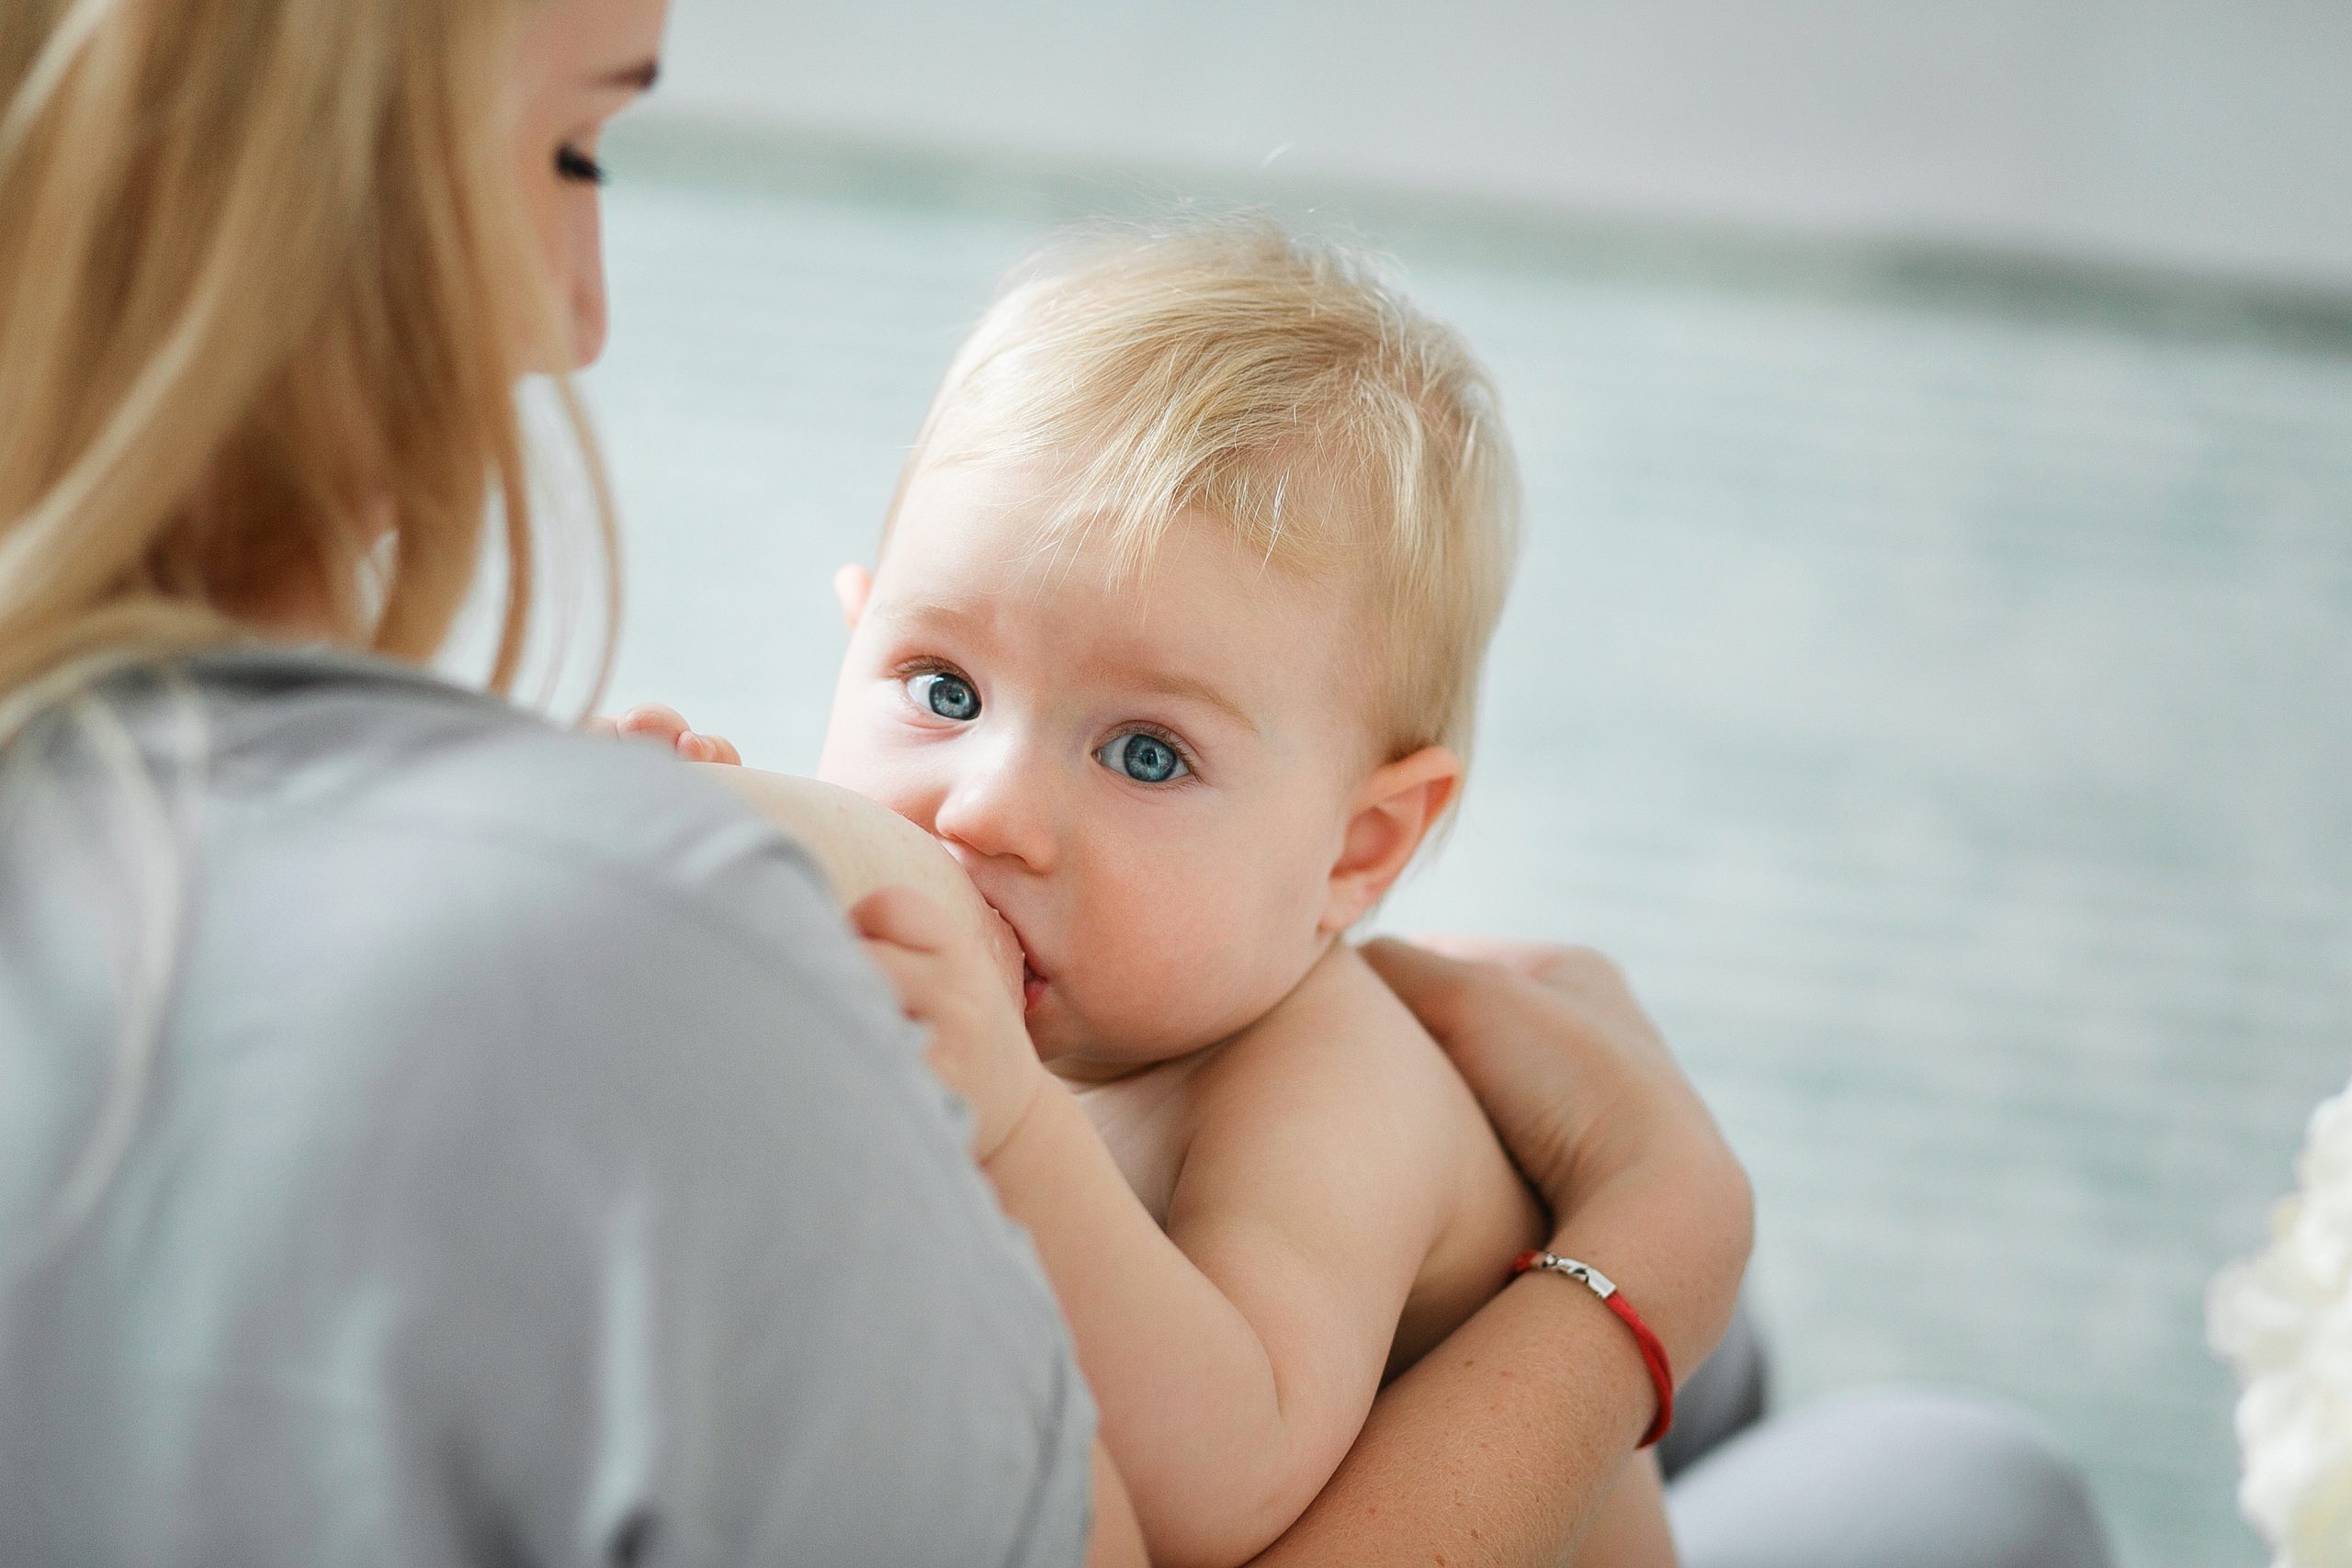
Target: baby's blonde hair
[1281,385]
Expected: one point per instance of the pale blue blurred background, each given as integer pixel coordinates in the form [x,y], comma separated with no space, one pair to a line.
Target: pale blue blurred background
[1929,672]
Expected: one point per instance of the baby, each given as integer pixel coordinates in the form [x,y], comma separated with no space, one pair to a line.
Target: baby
[1173,644]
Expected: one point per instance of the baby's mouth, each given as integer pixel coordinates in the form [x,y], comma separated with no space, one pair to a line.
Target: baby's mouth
[1032,981]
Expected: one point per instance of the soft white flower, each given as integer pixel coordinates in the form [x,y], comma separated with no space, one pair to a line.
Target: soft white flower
[2284,1319]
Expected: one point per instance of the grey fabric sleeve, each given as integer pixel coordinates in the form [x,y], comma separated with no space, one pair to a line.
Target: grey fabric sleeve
[506,1201]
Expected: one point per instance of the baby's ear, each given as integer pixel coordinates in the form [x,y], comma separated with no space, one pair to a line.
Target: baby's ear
[852,585]
[1392,814]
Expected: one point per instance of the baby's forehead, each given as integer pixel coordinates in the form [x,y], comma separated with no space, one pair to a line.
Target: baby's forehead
[1196,607]
[1305,512]
[1006,536]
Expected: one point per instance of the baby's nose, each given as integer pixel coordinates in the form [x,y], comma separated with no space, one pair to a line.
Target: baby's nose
[1001,812]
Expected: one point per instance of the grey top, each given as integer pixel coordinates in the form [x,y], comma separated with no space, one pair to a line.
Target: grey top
[528,1168]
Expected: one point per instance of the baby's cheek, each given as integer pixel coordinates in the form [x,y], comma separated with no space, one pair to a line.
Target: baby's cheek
[854,761]
[1189,978]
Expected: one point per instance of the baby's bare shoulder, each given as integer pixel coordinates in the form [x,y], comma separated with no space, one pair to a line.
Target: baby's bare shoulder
[1340,1051]
[1340,1092]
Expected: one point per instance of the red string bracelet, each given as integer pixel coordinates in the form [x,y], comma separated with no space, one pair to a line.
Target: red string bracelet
[1602,1285]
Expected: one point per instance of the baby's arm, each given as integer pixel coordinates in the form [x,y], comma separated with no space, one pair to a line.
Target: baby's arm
[1235,1356]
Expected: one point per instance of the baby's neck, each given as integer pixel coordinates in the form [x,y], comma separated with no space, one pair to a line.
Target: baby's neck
[1092,1072]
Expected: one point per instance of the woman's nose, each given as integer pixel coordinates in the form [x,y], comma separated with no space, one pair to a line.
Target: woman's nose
[1001,808]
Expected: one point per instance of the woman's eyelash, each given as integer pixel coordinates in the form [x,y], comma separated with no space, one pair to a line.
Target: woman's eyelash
[573,164]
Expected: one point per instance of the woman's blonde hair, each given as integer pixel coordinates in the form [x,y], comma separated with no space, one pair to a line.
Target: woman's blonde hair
[266,294]
[266,291]
[1281,384]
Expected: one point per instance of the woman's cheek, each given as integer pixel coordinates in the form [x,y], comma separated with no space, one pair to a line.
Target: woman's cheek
[589,311]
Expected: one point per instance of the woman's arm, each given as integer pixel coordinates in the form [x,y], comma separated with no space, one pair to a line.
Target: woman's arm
[1500,1444]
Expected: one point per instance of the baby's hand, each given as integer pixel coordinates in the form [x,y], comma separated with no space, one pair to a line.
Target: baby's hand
[666,727]
[948,982]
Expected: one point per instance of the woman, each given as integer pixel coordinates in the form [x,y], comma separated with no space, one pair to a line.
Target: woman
[384,1175]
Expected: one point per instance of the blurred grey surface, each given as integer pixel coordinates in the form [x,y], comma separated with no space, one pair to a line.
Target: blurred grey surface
[1934,685]
[2213,135]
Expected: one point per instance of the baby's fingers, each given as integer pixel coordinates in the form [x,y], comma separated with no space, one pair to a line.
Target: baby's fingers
[697,748]
[903,918]
[652,721]
[909,975]
[664,726]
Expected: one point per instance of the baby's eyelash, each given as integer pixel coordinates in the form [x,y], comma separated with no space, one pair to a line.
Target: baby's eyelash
[1168,739]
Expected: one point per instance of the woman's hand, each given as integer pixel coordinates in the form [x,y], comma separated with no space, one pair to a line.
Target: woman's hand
[1586,1096]
[667,727]
[1552,1044]
[948,982]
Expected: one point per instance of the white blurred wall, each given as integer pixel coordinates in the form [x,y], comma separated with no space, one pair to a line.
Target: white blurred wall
[2214,135]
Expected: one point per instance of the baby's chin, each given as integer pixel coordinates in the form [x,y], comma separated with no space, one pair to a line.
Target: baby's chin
[1081,1051]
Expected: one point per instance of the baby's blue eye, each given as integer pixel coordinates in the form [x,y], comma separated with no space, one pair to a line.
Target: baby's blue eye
[949,696]
[1146,759]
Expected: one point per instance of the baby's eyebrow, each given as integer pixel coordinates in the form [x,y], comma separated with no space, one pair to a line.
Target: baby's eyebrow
[1187,688]
[933,612]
